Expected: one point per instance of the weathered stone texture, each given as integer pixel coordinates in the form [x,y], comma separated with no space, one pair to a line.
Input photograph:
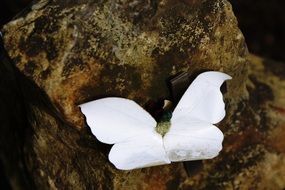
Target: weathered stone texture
[81,50]
[77,51]
[253,155]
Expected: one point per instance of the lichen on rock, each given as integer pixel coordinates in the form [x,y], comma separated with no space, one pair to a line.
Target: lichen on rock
[81,50]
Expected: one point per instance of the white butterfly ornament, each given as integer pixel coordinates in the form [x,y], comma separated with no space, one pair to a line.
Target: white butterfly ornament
[191,134]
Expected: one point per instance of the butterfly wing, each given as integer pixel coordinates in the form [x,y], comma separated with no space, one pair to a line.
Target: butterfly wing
[192,135]
[114,120]
[124,123]
[192,139]
[203,99]
[139,152]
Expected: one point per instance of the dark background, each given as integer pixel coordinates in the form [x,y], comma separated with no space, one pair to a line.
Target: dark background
[262,23]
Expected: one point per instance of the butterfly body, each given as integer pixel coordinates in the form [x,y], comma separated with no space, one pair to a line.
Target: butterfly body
[185,134]
[164,124]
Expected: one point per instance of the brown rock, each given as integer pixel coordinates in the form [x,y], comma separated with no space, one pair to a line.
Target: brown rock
[253,154]
[77,51]
[81,50]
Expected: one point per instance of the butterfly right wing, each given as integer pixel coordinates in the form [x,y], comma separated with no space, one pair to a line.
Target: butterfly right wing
[203,99]
[192,135]
[192,139]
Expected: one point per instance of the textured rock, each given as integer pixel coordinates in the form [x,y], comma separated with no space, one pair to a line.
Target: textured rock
[81,50]
[254,150]
[77,51]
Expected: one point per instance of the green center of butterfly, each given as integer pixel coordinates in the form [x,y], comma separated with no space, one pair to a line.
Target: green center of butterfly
[164,124]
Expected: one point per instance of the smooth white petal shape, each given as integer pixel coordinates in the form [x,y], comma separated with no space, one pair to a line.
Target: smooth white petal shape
[203,99]
[115,120]
[142,151]
[191,136]
[192,139]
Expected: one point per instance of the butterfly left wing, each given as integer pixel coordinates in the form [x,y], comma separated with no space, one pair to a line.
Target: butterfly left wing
[139,152]
[192,139]
[130,128]
[114,120]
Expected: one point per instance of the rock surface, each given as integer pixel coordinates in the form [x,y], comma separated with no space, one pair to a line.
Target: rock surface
[254,149]
[76,51]
[81,50]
